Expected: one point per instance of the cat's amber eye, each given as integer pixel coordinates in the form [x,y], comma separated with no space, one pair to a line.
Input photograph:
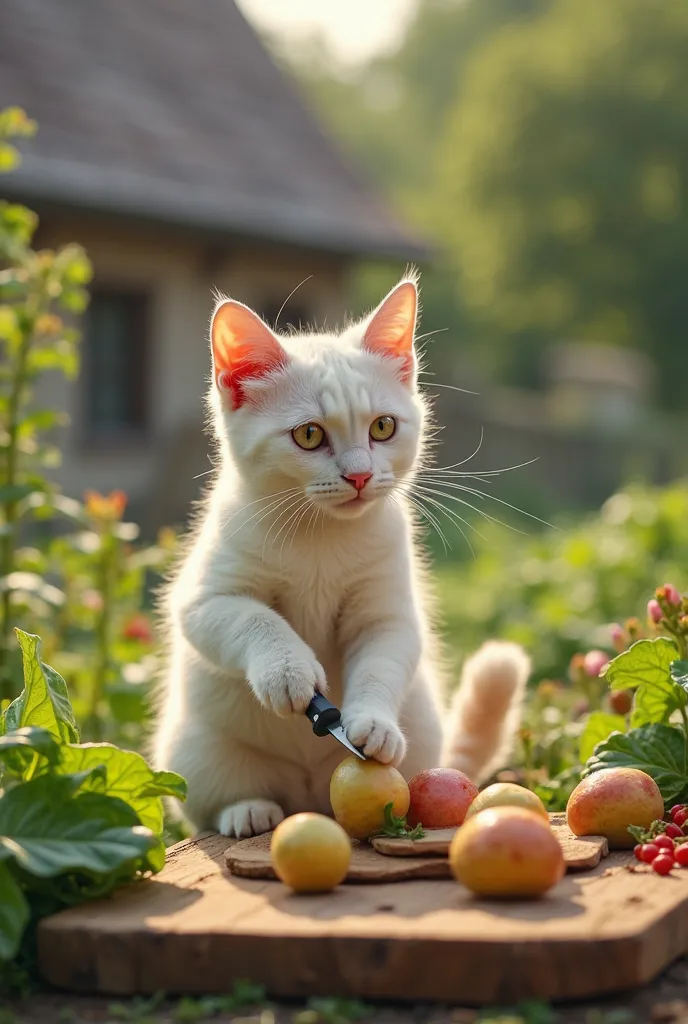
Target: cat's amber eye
[308,436]
[383,428]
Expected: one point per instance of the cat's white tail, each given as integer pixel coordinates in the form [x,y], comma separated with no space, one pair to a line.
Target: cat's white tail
[486,710]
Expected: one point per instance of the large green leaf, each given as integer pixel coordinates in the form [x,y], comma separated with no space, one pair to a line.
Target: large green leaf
[127,777]
[167,784]
[598,727]
[44,701]
[14,913]
[659,750]
[48,835]
[19,750]
[646,668]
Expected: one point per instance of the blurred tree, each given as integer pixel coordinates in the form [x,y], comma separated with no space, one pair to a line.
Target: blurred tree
[563,179]
[390,114]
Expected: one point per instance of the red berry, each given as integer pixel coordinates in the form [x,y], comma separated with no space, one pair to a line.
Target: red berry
[638,851]
[664,842]
[648,852]
[663,864]
[673,831]
[677,807]
[681,855]
[680,817]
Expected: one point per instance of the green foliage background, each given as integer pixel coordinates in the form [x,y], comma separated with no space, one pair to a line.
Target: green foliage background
[540,145]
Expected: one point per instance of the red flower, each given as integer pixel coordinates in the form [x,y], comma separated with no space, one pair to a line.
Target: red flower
[138,628]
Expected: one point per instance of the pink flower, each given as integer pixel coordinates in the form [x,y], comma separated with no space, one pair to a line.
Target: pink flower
[654,611]
[594,662]
[92,599]
[671,594]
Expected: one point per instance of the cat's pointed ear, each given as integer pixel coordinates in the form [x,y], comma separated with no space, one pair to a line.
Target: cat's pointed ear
[391,328]
[244,348]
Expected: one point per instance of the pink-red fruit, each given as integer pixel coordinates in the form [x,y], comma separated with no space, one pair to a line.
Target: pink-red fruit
[663,864]
[648,852]
[621,701]
[681,855]
[608,801]
[440,798]
[664,842]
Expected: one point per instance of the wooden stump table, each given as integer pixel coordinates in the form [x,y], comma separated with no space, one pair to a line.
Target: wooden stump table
[196,929]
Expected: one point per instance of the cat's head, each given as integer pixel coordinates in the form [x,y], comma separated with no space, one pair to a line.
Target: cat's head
[336,417]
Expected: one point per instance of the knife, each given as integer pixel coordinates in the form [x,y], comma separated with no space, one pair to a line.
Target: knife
[326,718]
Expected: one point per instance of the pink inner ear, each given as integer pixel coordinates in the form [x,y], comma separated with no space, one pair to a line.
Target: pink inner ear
[390,332]
[244,348]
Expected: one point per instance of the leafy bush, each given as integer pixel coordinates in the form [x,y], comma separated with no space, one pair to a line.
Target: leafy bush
[76,820]
[68,570]
[558,593]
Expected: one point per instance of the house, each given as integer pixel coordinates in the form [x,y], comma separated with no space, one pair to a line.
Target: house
[184,160]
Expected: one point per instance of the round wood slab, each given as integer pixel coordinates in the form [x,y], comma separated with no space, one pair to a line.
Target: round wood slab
[579,853]
[397,860]
[251,859]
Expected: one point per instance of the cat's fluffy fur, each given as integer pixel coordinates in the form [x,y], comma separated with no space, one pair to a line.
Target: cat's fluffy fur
[289,586]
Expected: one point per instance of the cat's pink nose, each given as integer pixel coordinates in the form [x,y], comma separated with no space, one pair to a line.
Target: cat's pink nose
[359,480]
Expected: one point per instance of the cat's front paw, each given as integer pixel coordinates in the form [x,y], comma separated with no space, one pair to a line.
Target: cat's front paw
[287,685]
[249,818]
[377,736]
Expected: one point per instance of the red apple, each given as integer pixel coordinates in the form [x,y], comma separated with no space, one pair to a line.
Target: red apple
[440,798]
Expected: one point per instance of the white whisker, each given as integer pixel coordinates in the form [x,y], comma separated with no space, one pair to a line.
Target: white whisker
[461,501]
[431,518]
[454,518]
[482,494]
[450,387]
[292,502]
[450,471]
[292,292]
[268,497]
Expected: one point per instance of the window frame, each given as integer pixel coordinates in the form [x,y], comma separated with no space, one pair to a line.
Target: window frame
[125,436]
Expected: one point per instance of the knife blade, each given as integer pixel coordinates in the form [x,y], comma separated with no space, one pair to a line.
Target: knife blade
[327,719]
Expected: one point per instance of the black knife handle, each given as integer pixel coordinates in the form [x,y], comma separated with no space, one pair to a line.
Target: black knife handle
[322,714]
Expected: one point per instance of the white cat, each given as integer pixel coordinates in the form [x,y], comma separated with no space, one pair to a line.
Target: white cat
[304,575]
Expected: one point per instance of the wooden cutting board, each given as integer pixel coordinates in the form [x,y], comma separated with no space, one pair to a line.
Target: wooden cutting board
[397,860]
[579,853]
[195,928]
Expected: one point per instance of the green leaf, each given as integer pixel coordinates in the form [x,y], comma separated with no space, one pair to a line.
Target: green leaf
[659,750]
[397,828]
[645,667]
[47,834]
[167,784]
[18,749]
[679,673]
[14,913]
[44,701]
[15,492]
[127,777]
[598,727]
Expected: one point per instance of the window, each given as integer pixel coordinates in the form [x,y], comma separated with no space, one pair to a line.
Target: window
[116,365]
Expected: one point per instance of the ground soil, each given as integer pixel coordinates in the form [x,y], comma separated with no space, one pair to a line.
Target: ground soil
[663,1002]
